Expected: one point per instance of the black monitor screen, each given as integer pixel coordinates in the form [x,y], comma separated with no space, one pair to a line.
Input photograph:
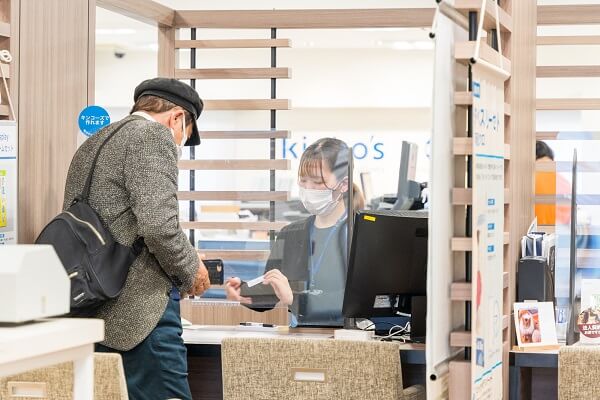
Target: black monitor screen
[388,263]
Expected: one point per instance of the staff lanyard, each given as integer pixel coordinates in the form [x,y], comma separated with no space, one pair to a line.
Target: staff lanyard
[315,267]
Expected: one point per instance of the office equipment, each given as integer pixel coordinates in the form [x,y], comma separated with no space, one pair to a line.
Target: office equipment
[409,191]
[33,283]
[535,280]
[572,335]
[387,272]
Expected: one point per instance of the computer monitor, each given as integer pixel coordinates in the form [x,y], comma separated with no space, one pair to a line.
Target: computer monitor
[408,189]
[387,271]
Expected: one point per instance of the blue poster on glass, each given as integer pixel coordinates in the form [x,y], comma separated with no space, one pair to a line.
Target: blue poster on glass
[92,119]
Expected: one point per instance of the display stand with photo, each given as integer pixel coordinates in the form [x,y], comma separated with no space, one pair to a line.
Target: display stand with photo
[534,326]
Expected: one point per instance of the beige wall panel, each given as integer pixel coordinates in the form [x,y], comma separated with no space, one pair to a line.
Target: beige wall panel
[53,88]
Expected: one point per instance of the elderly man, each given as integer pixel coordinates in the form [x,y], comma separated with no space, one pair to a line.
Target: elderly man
[134,191]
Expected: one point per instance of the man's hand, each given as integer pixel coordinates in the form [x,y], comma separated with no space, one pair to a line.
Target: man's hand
[202,282]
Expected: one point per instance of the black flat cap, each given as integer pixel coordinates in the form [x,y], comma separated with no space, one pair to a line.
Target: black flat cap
[178,93]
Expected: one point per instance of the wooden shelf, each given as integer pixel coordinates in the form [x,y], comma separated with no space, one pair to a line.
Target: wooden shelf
[463,146]
[253,165]
[466,243]
[464,6]
[233,73]
[464,196]
[4,110]
[546,135]
[236,255]
[462,291]
[306,19]
[568,104]
[567,40]
[250,104]
[232,43]
[245,134]
[569,71]
[464,99]
[568,15]
[464,51]
[234,225]
[233,195]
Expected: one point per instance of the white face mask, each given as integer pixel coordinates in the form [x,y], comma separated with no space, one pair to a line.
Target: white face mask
[318,201]
[183,139]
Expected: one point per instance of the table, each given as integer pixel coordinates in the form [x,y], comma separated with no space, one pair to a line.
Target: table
[520,369]
[53,341]
[204,355]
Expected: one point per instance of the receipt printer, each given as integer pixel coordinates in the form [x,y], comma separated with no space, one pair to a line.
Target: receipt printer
[33,283]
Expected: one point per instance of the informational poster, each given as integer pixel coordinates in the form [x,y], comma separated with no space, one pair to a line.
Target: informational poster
[8,182]
[488,232]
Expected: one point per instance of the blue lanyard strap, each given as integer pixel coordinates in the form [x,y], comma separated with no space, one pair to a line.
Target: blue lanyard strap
[314,267]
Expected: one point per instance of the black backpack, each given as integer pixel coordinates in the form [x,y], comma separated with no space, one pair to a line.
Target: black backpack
[95,263]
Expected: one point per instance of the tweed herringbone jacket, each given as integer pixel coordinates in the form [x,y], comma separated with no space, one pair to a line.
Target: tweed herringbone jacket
[134,191]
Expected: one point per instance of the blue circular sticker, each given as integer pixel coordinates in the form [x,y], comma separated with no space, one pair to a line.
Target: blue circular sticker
[92,119]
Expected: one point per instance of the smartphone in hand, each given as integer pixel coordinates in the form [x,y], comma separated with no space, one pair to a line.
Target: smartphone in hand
[216,272]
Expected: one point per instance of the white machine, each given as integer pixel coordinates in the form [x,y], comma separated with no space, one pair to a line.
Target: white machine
[33,283]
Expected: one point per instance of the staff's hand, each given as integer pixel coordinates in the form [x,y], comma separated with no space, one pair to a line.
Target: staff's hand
[280,285]
[233,289]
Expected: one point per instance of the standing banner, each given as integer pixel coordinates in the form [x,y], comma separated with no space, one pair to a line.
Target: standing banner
[8,182]
[443,315]
[488,232]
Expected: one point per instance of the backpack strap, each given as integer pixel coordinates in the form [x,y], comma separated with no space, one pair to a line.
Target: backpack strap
[88,182]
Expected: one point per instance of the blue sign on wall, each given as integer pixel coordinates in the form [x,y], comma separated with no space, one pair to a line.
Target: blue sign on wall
[92,119]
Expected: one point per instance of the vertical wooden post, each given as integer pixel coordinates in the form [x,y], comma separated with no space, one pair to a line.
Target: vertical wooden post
[520,133]
[54,76]
[166,51]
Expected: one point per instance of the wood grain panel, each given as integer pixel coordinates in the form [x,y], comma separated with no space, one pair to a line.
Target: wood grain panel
[166,52]
[232,43]
[233,73]
[462,338]
[245,134]
[546,135]
[568,15]
[53,89]
[5,30]
[231,225]
[250,104]
[256,165]
[301,19]
[234,195]
[464,52]
[567,40]
[506,23]
[569,71]
[568,104]
[215,312]
[521,136]
[147,11]
[236,255]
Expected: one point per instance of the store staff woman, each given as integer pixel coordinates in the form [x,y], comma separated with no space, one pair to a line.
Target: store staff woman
[309,255]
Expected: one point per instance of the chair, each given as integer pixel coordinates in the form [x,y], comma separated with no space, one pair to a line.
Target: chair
[313,369]
[578,372]
[56,382]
